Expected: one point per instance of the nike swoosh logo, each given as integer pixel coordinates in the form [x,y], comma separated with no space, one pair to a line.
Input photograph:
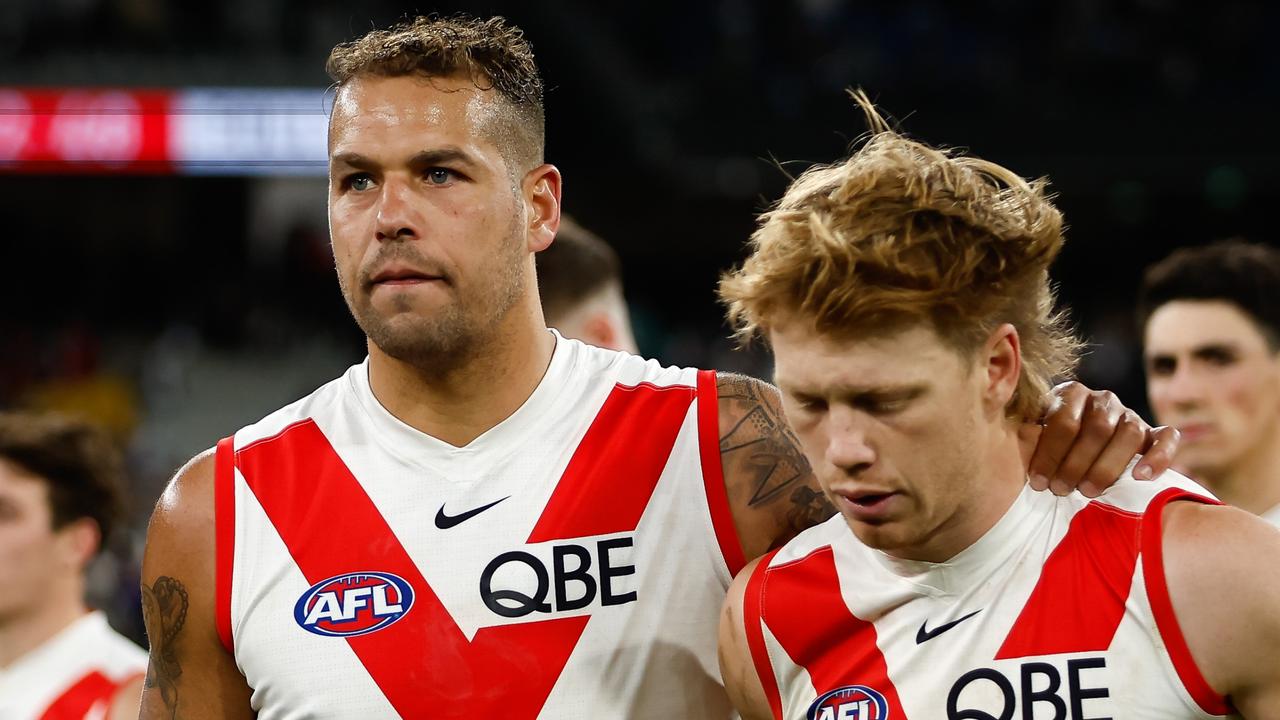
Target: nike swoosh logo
[444,522]
[924,634]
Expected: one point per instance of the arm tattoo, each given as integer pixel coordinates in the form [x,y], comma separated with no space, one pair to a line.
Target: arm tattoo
[761,439]
[762,446]
[164,611]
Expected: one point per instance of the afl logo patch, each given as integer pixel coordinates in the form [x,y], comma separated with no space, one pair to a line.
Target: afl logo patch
[353,604]
[851,702]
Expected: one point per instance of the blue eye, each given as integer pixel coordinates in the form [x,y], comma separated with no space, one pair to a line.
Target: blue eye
[439,176]
[359,182]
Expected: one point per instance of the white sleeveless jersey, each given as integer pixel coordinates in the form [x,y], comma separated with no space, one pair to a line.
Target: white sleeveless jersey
[568,563]
[1059,612]
[74,675]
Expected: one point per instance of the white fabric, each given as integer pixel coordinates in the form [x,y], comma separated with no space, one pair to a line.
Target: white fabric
[652,658]
[88,645]
[994,577]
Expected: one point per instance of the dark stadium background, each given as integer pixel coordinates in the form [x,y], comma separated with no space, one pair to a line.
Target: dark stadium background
[178,308]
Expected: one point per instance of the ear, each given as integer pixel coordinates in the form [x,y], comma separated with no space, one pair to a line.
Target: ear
[1001,361]
[78,541]
[541,190]
[598,330]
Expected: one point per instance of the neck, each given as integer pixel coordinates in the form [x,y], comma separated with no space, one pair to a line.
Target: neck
[1252,483]
[459,403]
[24,632]
[1000,476]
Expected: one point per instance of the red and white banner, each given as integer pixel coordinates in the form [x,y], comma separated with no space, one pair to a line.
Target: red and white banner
[221,131]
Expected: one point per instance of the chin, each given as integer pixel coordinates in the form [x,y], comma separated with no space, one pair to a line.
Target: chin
[886,536]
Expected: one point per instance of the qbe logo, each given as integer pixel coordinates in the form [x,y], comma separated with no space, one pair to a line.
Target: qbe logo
[851,702]
[353,604]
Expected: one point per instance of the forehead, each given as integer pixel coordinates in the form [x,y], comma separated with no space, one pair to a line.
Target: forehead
[809,361]
[20,487]
[1182,325]
[384,115]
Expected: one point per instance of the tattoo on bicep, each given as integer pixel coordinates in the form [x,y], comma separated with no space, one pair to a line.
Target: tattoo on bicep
[164,611]
[760,442]
[808,508]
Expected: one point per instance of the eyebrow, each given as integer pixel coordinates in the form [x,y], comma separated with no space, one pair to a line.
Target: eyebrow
[424,158]
[1200,351]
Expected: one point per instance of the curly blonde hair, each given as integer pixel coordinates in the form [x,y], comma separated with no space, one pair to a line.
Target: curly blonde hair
[902,233]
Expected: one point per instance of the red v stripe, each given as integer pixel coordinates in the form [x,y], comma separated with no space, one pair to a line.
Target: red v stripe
[624,450]
[331,527]
[1078,602]
[802,606]
[77,700]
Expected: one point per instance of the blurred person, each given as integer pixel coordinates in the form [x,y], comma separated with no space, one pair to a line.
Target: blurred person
[59,499]
[483,518]
[580,285]
[1210,318]
[905,294]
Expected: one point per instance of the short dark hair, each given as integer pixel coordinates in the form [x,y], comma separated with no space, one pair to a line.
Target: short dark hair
[1242,273]
[492,52]
[78,461]
[576,266]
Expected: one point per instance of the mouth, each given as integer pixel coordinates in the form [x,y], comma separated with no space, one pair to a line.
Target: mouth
[402,276]
[1194,431]
[867,504]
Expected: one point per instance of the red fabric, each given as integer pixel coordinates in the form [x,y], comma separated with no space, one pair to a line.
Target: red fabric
[751,607]
[92,689]
[803,608]
[1205,696]
[423,663]
[616,467]
[224,513]
[1078,602]
[713,472]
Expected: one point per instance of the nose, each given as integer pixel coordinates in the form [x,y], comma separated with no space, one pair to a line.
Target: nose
[848,443]
[1184,388]
[397,212]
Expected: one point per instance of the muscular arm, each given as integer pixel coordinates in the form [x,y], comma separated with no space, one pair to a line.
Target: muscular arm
[1223,574]
[190,675]
[736,665]
[772,490]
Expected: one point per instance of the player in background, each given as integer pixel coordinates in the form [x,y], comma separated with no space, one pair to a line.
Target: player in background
[59,499]
[580,283]
[1210,320]
[905,294]
[329,560]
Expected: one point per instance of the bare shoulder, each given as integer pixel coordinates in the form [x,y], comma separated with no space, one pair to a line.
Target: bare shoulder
[188,667]
[1233,636]
[737,667]
[186,505]
[772,490]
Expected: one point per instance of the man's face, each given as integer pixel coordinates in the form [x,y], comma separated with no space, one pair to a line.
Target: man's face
[32,553]
[1211,374]
[892,425]
[426,225]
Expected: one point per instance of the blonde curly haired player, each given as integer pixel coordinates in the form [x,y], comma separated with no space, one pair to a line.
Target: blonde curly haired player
[904,232]
[906,297]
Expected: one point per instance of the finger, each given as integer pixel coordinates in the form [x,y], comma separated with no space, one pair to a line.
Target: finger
[1098,424]
[1061,424]
[1159,457]
[1129,437]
